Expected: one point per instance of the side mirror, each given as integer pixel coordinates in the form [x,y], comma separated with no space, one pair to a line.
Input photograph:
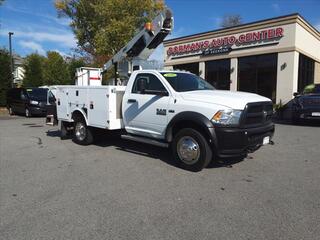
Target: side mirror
[295,94]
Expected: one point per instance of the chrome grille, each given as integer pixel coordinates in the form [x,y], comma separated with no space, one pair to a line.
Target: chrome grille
[313,101]
[256,114]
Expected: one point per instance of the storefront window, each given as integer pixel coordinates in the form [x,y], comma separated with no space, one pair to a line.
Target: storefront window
[190,67]
[218,73]
[306,72]
[258,74]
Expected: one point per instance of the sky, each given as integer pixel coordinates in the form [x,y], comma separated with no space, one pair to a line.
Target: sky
[37,28]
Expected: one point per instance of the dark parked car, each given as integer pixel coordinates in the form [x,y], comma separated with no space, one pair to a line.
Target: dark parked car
[27,101]
[306,106]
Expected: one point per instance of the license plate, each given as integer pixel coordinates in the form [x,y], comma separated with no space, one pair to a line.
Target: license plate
[266,140]
[315,114]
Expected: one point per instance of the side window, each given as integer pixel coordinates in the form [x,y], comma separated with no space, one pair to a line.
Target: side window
[147,81]
[52,99]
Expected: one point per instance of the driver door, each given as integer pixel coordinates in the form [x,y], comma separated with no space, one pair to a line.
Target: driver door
[146,108]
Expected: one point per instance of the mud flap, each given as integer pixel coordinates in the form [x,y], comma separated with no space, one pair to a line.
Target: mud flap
[51,118]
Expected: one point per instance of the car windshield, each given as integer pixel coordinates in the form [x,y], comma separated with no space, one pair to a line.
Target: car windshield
[38,94]
[312,89]
[184,82]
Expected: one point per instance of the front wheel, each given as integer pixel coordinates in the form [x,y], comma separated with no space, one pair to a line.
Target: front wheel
[27,112]
[191,150]
[295,119]
[82,134]
[11,112]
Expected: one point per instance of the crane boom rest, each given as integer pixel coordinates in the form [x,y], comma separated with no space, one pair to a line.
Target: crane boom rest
[143,44]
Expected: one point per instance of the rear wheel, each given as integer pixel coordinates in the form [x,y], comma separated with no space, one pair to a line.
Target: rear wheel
[82,134]
[191,150]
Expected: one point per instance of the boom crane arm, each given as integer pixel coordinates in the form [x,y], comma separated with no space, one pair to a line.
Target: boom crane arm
[143,44]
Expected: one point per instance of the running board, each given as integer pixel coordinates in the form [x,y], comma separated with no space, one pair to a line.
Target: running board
[145,140]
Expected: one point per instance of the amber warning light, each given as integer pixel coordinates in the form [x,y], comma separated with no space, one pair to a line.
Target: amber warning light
[148,26]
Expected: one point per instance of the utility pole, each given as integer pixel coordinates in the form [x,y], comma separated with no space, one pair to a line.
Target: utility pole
[11,58]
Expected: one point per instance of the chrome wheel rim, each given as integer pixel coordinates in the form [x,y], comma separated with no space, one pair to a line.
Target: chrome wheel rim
[80,131]
[188,150]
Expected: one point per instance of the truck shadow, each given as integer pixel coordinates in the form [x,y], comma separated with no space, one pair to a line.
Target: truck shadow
[225,162]
[106,139]
[306,123]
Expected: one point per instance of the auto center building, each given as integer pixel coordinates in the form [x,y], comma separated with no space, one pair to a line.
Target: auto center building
[273,57]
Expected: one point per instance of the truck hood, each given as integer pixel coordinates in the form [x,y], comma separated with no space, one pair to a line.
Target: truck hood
[230,99]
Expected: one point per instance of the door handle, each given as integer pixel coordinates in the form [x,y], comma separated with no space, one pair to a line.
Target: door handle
[132,100]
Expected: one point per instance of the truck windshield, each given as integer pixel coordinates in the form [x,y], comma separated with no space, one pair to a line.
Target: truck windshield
[184,82]
[37,94]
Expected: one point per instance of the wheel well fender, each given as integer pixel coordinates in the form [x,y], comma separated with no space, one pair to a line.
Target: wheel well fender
[79,113]
[190,120]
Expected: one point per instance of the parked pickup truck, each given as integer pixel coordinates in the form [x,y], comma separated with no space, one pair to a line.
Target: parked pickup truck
[169,108]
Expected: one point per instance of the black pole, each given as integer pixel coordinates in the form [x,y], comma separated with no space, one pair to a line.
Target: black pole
[115,73]
[11,59]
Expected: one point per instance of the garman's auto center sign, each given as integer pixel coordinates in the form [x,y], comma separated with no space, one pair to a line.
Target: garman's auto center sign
[226,44]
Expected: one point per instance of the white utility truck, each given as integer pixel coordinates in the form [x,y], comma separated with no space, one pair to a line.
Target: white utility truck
[169,108]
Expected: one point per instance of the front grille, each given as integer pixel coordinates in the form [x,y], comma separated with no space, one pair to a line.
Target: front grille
[256,114]
[311,101]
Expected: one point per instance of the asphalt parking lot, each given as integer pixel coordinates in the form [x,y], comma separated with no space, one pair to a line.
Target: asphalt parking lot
[115,189]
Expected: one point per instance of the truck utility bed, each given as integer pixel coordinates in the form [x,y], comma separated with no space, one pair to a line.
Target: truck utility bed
[100,104]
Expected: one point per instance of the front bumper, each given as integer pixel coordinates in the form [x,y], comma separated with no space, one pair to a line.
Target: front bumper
[39,111]
[307,113]
[232,142]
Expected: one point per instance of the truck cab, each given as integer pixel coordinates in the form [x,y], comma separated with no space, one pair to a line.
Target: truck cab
[177,107]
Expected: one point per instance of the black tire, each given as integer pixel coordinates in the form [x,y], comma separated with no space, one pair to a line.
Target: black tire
[198,159]
[295,119]
[83,136]
[27,112]
[11,112]
[64,133]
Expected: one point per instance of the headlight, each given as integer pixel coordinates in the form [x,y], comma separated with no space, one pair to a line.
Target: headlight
[34,102]
[227,117]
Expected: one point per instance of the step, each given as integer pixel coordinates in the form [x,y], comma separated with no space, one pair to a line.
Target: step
[145,140]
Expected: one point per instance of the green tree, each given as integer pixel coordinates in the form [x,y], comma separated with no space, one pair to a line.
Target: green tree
[5,75]
[103,27]
[56,70]
[34,70]
[73,64]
